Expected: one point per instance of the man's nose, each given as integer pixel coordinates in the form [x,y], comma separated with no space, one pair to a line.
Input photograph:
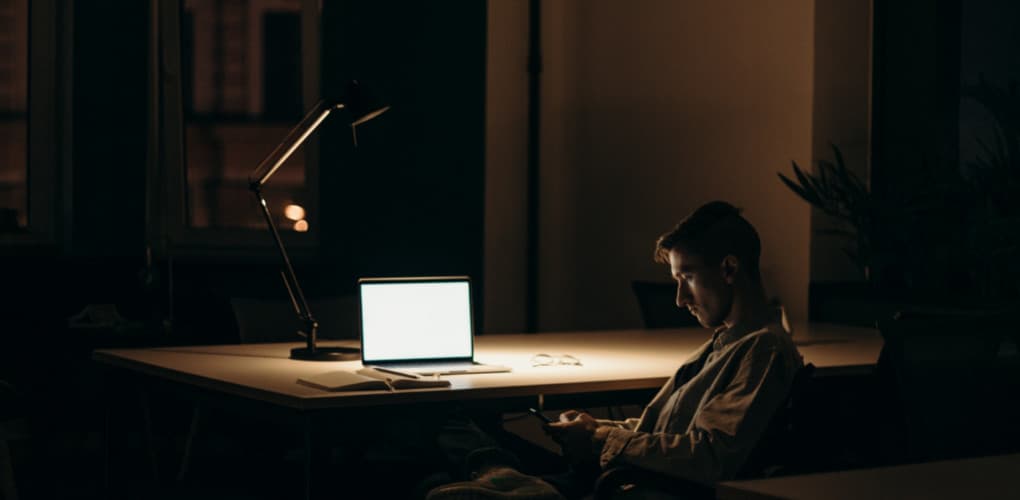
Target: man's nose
[682,295]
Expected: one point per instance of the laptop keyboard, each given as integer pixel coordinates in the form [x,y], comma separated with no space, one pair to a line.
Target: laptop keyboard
[433,368]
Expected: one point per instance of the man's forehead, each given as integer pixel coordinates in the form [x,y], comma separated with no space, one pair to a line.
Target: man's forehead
[681,260]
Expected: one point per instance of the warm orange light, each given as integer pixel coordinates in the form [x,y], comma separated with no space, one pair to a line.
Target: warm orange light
[301,226]
[294,212]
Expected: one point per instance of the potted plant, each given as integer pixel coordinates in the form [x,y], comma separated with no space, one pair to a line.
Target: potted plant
[940,235]
[840,193]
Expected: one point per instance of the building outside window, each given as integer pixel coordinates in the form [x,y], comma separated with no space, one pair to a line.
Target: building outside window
[14,215]
[241,91]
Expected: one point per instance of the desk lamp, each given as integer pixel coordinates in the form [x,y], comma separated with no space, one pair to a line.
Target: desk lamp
[361,111]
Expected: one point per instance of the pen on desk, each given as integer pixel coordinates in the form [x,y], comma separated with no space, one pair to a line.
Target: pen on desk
[395,372]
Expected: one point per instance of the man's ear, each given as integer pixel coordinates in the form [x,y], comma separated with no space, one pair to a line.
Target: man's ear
[729,266]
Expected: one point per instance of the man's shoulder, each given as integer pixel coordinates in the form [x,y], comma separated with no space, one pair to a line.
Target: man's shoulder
[770,345]
[771,336]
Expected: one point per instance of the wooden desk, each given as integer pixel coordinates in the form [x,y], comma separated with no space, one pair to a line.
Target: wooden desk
[973,479]
[261,378]
[611,361]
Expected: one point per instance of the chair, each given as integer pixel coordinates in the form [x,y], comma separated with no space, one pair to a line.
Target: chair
[657,301]
[778,452]
[274,320]
[626,480]
[13,426]
[943,377]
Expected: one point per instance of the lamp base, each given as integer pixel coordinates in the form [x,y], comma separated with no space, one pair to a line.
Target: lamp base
[326,353]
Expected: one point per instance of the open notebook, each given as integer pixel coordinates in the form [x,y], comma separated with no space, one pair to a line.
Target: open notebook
[367,379]
[419,325]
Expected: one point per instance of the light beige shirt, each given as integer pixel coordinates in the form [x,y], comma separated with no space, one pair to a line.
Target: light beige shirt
[704,426]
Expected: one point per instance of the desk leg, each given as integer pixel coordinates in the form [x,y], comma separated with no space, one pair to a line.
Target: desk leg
[150,442]
[7,471]
[196,414]
[106,445]
[308,455]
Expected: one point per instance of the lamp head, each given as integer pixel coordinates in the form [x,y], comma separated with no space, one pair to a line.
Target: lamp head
[362,105]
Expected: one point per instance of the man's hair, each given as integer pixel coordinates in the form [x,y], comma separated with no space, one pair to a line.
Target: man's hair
[713,231]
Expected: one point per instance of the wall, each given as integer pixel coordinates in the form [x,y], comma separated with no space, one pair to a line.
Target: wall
[650,109]
[842,115]
[410,199]
[106,198]
[506,147]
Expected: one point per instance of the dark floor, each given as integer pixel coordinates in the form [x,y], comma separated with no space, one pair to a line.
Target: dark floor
[75,468]
[231,458]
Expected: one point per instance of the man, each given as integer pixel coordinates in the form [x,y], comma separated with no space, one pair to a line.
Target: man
[704,422]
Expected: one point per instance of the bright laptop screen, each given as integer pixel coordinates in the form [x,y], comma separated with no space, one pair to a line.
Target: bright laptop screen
[415,320]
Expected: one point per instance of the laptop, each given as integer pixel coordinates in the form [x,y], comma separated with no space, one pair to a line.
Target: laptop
[419,325]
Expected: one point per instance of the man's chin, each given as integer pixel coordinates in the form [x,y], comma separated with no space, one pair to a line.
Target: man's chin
[708,322]
[701,321]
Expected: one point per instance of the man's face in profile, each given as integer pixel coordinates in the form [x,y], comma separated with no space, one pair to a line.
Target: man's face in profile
[701,288]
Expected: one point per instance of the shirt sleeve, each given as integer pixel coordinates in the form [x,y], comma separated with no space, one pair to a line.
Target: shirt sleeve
[724,430]
[630,423]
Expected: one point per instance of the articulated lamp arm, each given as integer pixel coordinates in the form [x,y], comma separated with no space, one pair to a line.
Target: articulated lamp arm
[262,173]
[295,138]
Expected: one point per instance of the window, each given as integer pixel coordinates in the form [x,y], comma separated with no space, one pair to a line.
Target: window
[14,216]
[34,139]
[245,81]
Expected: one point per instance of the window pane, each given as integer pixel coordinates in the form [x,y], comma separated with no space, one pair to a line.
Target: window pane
[13,115]
[241,63]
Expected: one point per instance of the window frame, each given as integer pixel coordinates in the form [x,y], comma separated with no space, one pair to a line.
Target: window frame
[168,230]
[49,125]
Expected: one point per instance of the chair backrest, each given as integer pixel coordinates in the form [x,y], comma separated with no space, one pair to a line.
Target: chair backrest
[657,301]
[274,320]
[942,374]
[777,450]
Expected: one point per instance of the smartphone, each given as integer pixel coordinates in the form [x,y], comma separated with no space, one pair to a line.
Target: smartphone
[539,415]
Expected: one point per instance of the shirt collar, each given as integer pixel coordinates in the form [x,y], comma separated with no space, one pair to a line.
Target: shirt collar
[724,336]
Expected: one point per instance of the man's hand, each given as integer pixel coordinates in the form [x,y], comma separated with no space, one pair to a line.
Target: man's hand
[574,431]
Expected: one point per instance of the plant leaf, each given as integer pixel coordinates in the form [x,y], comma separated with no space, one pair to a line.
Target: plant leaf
[797,189]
